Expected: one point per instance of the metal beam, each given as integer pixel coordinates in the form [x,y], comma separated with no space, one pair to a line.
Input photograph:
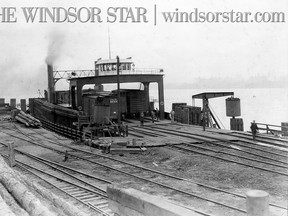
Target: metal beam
[209,95]
[118,94]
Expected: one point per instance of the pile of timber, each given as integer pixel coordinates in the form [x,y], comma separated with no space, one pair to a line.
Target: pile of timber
[5,118]
[26,119]
[118,147]
[19,195]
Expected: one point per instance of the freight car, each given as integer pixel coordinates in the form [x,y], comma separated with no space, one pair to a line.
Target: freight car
[104,105]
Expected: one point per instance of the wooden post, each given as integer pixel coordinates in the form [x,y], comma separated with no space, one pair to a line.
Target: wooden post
[127,133]
[257,203]
[204,113]
[12,162]
[284,128]
[23,104]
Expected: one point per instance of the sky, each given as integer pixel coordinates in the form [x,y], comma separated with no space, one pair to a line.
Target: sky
[186,51]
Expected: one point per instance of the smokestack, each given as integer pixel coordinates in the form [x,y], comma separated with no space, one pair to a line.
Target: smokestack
[51,84]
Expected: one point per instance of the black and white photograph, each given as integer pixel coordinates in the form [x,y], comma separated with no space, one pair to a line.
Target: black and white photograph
[144,108]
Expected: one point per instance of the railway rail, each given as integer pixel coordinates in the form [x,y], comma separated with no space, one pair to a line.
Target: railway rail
[207,139]
[267,140]
[93,197]
[271,141]
[211,140]
[115,169]
[148,179]
[239,134]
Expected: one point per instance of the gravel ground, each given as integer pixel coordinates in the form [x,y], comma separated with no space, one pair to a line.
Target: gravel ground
[228,176]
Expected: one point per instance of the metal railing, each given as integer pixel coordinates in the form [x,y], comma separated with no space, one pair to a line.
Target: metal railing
[68,74]
[63,130]
[270,128]
[149,71]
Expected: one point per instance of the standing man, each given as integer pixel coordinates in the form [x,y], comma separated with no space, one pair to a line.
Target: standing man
[142,118]
[254,129]
[172,115]
[152,115]
[201,118]
[123,129]
[157,113]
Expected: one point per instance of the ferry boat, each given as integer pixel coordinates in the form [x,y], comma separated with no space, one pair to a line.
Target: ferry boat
[96,105]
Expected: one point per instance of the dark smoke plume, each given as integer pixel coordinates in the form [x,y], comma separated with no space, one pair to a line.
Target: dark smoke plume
[56,42]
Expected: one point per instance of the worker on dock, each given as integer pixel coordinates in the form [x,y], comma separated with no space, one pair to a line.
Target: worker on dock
[157,114]
[254,129]
[123,128]
[172,115]
[106,146]
[201,118]
[142,118]
[153,116]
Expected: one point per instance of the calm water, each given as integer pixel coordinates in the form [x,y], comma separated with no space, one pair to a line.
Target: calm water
[262,105]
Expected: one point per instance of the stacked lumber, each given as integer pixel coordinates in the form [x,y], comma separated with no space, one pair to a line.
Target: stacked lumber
[127,147]
[5,118]
[26,119]
[187,114]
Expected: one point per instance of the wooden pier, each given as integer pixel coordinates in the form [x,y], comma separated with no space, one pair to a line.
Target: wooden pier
[209,172]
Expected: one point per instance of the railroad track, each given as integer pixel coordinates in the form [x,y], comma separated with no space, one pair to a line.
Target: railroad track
[217,142]
[267,140]
[260,154]
[151,134]
[240,135]
[215,130]
[248,151]
[260,136]
[230,134]
[148,176]
[67,180]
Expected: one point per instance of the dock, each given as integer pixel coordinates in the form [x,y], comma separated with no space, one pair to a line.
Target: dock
[205,172]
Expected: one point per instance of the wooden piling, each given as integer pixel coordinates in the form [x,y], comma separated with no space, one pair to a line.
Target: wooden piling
[284,128]
[23,105]
[13,103]
[12,162]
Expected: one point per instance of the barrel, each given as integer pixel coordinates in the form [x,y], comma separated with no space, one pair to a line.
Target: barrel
[284,128]
[236,124]
[2,101]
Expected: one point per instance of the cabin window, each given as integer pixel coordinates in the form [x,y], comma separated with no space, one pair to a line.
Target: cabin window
[109,67]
